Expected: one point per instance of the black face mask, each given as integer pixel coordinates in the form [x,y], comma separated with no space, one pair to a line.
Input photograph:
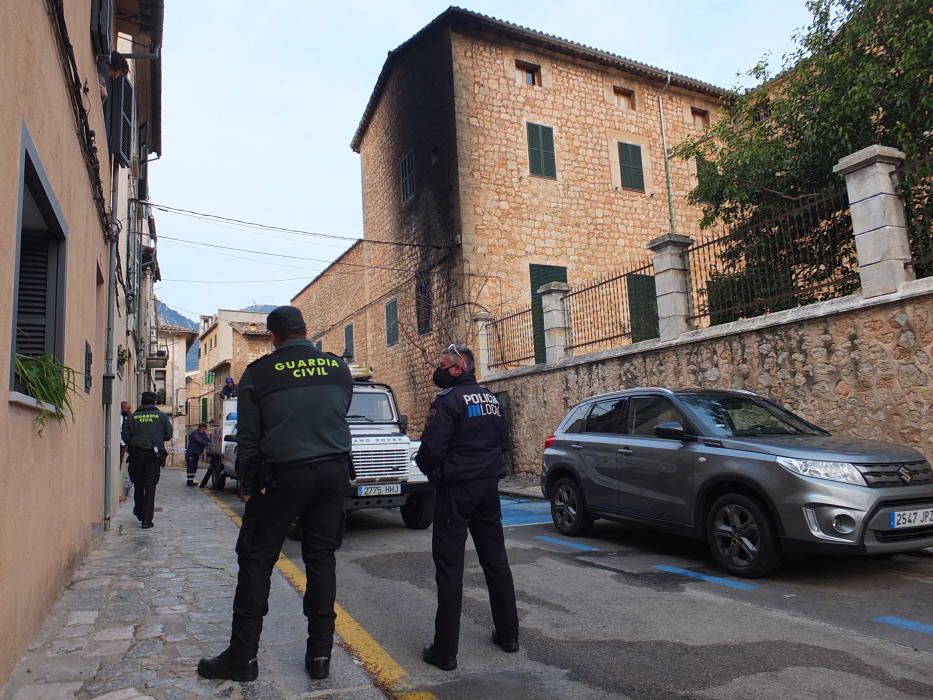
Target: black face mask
[442,377]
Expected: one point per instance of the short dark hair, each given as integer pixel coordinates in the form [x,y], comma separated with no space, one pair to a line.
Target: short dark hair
[148,397]
[454,349]
[202,425]
[119,63]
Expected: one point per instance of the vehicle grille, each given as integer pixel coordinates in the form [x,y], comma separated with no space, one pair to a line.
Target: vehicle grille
[886,475]
[917,533]
[380,464]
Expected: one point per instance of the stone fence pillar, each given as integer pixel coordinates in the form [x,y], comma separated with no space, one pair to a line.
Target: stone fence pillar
[556,321]
[671,270]
[878,220]
[481,348]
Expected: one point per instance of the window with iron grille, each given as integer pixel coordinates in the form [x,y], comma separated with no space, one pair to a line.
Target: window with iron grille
[541,161]
[39,276]
[392,323]
[348,349]
[630,167]
[406,174]
[424,301]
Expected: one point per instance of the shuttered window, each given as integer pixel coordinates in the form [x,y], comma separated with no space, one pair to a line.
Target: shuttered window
[540,276]
[392,323]
[406,174]
[102,26]
[120,133]
[348,349]
[633,175]
[424,301]
[541,160]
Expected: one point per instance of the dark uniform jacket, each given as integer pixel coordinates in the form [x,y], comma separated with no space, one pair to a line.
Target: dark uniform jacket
[465,435]
[293,405]
[197,441]
[146,428]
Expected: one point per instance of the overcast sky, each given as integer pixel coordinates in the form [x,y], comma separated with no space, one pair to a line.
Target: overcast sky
[260,101]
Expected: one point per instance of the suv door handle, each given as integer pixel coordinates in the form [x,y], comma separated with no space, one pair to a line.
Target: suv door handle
[577,447]
[624,451]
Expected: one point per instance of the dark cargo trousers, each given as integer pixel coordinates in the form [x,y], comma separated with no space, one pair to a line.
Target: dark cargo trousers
[144,468]
[315,492]
[460,507]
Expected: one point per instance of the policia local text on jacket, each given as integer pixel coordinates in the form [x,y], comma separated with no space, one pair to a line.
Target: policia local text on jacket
[145,433]
[461,453]
[293,456]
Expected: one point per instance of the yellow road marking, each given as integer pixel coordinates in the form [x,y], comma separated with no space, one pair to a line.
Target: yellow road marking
[384,670]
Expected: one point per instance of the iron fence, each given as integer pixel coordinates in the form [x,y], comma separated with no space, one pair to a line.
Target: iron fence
[775,262]
[613,311]
[511,340]
[915,186]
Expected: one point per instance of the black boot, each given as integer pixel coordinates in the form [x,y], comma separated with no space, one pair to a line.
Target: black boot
[225,667]
[431,656]
[318,667]
[509,645]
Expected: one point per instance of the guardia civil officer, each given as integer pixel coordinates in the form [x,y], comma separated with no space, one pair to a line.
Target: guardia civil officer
[293,458]
[461,454]
[145,433]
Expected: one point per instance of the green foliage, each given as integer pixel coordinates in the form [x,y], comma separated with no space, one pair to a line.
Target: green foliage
[860,74]
[50,382]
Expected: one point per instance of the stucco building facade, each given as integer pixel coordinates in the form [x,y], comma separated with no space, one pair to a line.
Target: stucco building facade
[494,159]
[77,260]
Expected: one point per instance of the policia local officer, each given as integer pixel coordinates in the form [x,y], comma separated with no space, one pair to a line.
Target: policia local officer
[293,458]
[461,454]
[145,432]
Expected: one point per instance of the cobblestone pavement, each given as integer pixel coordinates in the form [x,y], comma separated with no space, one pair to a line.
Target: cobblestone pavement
[147,604]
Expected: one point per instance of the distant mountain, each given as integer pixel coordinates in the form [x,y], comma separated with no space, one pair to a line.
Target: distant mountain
[170,317]
[191,358]
[265,308]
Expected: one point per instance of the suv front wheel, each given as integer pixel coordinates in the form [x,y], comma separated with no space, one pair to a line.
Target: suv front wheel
[568,511]
[741,537]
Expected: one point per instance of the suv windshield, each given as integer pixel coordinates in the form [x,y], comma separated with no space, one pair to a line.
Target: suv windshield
[746,416]
[372,407]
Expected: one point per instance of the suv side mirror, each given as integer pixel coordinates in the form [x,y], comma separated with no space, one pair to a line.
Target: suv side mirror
[670,430]
[403,423]
[230,438]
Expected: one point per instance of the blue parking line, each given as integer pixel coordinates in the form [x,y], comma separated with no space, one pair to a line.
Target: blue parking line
[717,580]
[905,624]
[566,543]
[525,512]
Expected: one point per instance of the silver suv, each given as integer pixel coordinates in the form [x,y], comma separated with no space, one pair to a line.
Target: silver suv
[738,470]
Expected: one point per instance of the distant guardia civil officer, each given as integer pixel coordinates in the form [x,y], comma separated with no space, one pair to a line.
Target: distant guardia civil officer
[293,459]
[145,432]
[461,454]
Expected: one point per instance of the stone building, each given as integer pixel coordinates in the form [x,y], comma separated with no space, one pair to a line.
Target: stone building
[77,262]
[496,159]
[169,383]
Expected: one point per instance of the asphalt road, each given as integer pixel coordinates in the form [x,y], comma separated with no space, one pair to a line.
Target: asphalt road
[627,613]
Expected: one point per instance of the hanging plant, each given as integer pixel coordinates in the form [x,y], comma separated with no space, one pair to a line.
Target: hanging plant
[50,383]
[123,356]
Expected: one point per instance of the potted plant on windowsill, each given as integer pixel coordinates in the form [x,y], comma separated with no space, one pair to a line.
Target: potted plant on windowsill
[50,383]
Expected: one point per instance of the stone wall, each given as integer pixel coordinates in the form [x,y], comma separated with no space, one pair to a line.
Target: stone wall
[856,367]
[248,347]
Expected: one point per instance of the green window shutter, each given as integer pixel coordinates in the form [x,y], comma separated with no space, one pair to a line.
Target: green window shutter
[541,159]
[633,175]
[392,323]
[642,307]
[348,340]
[540,276]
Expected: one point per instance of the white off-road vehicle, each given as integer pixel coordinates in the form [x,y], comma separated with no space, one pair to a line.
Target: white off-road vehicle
[383,455]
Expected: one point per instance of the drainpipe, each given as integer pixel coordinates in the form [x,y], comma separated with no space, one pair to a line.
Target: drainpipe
[107,392]
[667,165]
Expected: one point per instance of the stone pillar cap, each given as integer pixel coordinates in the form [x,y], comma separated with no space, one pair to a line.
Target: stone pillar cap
[554,287]
[670,239]
[483,316]
[868,156]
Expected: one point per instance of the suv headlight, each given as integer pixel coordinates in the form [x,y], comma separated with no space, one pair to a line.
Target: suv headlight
[833,471]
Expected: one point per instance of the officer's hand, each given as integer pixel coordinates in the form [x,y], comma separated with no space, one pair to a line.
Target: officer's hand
[245,498]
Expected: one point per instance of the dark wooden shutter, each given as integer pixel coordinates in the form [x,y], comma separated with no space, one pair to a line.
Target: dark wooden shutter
[34,331]
[424,302]
[642,307]
[102,26]
[88,367]
[392,322]
[540,276]
[631,171]
[541,151]
[142,184]
[120,134]
[348,340]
